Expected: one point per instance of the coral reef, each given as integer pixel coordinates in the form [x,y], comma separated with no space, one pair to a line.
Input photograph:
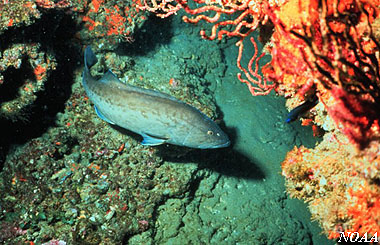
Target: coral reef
[17,13]
[339,182]
[339,64]
[110,22]
[39,66]
[335,55]
[105,25]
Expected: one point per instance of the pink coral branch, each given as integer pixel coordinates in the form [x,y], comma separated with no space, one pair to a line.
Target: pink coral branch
[257,84]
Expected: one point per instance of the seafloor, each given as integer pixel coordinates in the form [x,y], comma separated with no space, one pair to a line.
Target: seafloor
[68,176]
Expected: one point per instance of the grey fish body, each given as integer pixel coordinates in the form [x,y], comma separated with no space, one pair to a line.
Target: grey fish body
[158,117]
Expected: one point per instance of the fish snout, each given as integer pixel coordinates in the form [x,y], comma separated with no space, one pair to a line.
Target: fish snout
[216,139]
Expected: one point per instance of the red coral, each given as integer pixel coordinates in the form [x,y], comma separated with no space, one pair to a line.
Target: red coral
[358,116]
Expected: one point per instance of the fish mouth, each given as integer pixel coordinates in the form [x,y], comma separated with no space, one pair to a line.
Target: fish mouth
[225,144]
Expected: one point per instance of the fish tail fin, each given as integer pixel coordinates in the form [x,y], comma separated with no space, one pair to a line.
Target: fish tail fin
[89,57]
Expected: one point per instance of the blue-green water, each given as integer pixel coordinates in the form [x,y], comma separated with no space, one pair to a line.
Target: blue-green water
[234,195]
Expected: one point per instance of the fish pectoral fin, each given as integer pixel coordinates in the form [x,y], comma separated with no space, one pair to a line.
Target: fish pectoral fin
[102,117]
[152,140]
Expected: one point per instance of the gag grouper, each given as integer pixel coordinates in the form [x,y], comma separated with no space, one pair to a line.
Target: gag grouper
[159,118]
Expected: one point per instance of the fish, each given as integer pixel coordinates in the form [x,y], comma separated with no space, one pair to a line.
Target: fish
[302,109]
[158,117]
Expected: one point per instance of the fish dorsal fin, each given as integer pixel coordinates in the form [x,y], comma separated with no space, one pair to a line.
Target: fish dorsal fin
[102,116]
[152,140]
[109,77]
[89,57]
[150,92]
[153,93]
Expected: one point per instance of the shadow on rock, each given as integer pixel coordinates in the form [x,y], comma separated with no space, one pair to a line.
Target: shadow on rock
[226,161]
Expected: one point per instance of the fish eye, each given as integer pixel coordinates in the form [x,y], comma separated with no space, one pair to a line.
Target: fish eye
[210,132]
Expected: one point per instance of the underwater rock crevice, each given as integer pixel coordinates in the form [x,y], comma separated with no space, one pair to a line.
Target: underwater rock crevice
[154,33]
[50,72]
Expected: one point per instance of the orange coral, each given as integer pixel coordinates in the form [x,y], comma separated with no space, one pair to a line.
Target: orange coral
[95,5]
[335,55]
[115,22]
[40,72]
[342,196]
[365,210]
[110,21]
